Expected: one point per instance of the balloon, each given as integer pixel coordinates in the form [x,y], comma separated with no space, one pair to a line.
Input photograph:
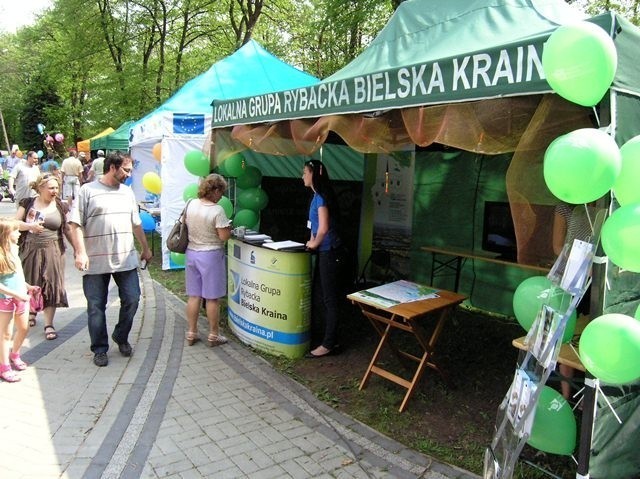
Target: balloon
[197,163]
[248,218]
[222,155]
[156,151]
[626,185]
[49,139]
[554,425]
[19,154]
[581,166]
[610,348]
[221,170]
[59,137]
[234,165]
[190,192]
[177,258]
[253,199]
[579,62]
[148,222]
[251,178]
[128,181]
[40,153]
[536,291]
[620,237]
[152,182]
[637,314]
[40,128]
[227,206]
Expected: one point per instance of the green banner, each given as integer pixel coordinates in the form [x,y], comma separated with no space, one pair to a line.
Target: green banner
[508,70]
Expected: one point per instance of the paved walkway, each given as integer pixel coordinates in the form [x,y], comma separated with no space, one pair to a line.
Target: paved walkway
[177,411]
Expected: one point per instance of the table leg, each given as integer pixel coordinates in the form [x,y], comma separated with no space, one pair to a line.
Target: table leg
[428,347]
[383,340]
[454,264]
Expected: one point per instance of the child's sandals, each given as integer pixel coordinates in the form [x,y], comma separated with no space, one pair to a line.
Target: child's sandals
[7,374]
[17,362]
[216,340]
[192,338]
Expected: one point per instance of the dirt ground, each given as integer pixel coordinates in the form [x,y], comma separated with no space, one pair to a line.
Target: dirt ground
[452,419]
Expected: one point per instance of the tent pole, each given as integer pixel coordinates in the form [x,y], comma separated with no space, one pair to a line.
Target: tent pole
[4,130]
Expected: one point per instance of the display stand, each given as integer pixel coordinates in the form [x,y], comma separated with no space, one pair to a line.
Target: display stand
[269,300]
[571,274]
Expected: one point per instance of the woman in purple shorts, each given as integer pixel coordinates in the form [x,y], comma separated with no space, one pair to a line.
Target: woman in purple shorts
[205,268]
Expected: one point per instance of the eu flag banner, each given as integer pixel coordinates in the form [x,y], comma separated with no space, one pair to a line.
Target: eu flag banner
[188,124]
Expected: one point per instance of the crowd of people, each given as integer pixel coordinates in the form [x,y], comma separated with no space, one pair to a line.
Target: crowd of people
[75,200]
[82,199]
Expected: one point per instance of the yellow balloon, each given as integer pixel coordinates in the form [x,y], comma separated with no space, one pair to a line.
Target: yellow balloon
[157,151]
[19,154]
[152,182]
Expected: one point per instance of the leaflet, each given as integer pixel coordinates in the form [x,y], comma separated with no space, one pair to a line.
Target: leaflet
[288,244]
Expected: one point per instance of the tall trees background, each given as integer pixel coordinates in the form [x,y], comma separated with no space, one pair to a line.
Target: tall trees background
[86,65]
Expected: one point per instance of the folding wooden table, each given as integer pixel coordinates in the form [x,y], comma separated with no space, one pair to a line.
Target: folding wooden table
[406,316]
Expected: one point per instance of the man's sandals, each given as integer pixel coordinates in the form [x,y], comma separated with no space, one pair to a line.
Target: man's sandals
[50,332]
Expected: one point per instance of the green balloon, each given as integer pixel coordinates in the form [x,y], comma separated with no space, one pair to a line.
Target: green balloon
[626,185]
[554,425]
[581,166]
[621,237]
[197,163]
[251,178]
[177,258]
[248,218]
[532,294]
[190,192]
[579,62]
[235,165]
[221,170]
[253,199]
[610,348]
[227,206]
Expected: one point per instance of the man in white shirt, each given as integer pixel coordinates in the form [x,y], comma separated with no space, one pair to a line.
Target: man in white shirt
[21,177]
[97,167]
[13,159]
[71,176]
[107,214]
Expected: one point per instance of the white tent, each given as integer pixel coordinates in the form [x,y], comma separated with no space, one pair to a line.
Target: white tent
[183,122]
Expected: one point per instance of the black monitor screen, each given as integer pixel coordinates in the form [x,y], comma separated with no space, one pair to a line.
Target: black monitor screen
[498,235]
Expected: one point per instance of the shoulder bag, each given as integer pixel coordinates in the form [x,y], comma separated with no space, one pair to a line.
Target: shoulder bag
[178,238]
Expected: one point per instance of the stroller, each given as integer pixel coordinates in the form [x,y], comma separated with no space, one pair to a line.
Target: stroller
[4,187]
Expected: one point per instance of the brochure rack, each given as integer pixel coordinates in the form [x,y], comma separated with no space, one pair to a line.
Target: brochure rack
[571,277]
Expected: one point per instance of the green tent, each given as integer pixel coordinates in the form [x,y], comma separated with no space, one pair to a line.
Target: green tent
[440,52]
[465,75]
[118,140]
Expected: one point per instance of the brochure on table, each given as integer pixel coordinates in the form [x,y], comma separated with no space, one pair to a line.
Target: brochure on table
[395,293]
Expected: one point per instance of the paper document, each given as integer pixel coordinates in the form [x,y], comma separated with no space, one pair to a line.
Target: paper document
[398,292]
[258,237]
[284,245]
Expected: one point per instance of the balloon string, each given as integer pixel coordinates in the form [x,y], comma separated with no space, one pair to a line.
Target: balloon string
[604,396]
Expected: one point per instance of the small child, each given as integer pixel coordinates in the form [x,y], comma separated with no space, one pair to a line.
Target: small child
[14,301]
